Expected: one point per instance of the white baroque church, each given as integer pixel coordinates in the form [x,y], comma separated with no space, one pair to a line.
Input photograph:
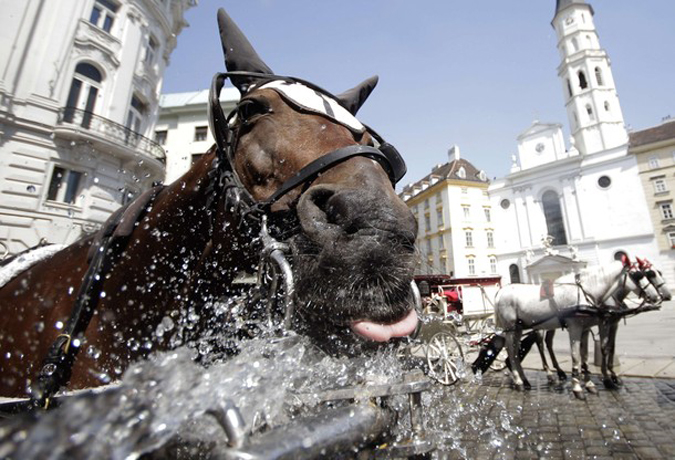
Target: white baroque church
[80,83]
[561,209]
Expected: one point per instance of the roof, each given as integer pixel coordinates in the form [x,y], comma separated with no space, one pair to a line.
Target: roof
[562,4]
[195,98]
[663,132]
[449,171]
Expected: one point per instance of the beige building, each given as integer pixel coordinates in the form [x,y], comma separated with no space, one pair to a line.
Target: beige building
[183,127]
[654,149]
[456,234]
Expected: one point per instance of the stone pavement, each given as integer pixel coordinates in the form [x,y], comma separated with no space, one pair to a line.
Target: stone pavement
[490,420]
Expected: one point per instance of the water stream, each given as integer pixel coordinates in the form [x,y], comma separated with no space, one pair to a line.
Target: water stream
[162,405]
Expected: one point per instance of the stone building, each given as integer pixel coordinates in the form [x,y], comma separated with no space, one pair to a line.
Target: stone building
[560,208]
[456,233]
[79,93]
[654,149]
[183,127]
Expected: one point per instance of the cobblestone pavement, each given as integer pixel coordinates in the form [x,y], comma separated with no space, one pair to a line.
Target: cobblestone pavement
[490,420]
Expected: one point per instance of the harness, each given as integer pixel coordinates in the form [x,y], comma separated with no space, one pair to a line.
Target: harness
[252,217]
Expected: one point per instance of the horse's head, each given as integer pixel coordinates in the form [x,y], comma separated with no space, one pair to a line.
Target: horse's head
[299,151]
[655,277]
[634,280]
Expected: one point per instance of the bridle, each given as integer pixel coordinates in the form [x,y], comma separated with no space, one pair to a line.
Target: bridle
[238,198]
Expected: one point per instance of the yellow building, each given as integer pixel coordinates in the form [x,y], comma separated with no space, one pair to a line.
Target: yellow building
[455,224]
[654,149]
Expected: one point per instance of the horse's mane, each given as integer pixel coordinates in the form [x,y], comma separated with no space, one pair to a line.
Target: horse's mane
[596,279]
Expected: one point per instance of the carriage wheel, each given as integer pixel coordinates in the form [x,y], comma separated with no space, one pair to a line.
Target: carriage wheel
[445,358]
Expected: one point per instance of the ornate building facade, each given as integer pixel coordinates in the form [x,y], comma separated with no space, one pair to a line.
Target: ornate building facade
[559,208]
[79,93]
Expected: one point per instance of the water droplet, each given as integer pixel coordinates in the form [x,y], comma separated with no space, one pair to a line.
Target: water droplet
[59,325]
[31,189]
[95,180]
[40,326]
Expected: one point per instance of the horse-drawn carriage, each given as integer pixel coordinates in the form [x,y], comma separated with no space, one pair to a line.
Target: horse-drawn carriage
[458,317]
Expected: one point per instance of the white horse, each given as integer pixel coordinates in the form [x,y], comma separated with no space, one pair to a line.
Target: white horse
[608,327]
[522,306]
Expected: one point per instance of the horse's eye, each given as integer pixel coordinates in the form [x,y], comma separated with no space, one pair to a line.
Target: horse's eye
[249,109]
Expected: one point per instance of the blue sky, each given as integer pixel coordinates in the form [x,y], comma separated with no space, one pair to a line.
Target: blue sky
[472,73]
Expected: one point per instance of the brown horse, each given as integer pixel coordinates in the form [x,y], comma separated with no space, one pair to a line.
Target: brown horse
[313,173]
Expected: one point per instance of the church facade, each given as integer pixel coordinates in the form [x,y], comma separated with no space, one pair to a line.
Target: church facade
[563,208]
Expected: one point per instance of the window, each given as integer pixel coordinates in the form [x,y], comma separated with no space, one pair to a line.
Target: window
[426,203]
[653,162]
[598,76]
[136,115]
[83,95]
[439,217]
[554,218]
[103,14]
[569,88]
[439,200]
[441,242]
[660,186]
[604,181]
[490,239]
[461,173]
[467,211]
[465,190]
[200,133]
[505,204]
[606,106]
[472,266]
[583,84]
[514,274]
[488,217]
[427,223]
[151,51]
[666,210]
[671,239]
[429,249]
[589,111]
[493,265]
[160,137]
[64,185]
[468,234]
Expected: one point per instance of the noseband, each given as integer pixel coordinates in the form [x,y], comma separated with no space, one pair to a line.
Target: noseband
[238,198]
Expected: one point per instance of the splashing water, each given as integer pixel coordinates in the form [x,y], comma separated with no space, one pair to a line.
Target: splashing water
[164,404]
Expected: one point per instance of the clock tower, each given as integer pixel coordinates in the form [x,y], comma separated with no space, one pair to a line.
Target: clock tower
[593,110]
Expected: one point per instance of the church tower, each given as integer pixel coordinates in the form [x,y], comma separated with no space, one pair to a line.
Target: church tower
[593,110]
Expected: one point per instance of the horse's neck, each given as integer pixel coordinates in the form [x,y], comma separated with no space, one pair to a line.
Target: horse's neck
[599,282]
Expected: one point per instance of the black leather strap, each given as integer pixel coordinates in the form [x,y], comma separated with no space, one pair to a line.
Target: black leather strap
[328,161]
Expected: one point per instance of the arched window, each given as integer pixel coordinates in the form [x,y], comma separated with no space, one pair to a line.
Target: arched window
[514,273]
[554,218]
[461,173]
[83,94]
[589,110]
[569,88]
[583,84]
[598,76]
[607,106]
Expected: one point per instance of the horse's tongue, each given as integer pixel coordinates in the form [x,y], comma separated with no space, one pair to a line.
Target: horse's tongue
[384,332]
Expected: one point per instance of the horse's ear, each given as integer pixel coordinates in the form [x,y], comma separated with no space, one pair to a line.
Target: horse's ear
[354,98]
[641,263]
[239,54]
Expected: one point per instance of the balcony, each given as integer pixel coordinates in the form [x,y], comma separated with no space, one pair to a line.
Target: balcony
[80,125]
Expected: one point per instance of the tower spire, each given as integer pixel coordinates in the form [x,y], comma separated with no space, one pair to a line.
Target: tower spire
[593,110]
